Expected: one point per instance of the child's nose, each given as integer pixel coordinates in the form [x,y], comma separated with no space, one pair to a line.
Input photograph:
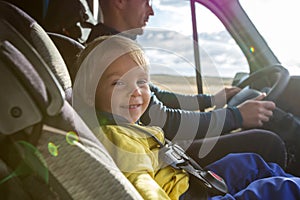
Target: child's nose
[136,92]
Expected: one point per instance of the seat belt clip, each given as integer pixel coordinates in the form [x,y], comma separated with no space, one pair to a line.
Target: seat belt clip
[174,155]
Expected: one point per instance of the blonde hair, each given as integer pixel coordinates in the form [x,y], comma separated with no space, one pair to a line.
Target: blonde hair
[97,56]
[117,44]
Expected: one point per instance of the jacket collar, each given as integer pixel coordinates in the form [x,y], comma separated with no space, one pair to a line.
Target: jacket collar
[106,118]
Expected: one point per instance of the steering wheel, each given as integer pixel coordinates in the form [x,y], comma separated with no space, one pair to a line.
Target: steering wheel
[273,92]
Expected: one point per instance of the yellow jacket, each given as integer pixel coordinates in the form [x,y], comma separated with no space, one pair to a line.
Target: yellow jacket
[136,154]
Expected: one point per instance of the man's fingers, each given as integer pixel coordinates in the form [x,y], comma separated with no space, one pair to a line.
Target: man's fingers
[269,105]
[264,118]
[269,113]
[260,97]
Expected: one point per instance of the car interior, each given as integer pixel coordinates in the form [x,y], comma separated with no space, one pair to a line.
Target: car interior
[47,150]
[40,130]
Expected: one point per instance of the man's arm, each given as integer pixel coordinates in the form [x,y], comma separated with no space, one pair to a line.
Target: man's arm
[180,124]
[182,101]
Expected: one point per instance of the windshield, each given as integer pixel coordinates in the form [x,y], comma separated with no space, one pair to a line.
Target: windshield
[277,21]
[219,54]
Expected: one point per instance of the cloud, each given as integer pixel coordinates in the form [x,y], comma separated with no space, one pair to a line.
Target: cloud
[168,16]
[172,53]
[170,3]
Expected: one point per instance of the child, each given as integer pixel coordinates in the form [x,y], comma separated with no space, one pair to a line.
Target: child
[122,95]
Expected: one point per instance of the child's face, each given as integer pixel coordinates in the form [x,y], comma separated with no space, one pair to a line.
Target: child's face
[123,89]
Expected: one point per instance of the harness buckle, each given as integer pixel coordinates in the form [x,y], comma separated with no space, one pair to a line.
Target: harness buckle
[174,155]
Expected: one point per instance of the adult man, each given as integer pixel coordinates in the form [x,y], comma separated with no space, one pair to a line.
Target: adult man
[124,15]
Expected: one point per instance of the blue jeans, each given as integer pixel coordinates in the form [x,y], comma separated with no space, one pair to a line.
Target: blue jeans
[248,176]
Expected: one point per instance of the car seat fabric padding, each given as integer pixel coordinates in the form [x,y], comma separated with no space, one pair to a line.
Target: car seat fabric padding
[50,54]
[69,49]
[39,39]
[79,167]
[23,68]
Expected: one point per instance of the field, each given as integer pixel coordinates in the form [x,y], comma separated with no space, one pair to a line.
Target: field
[187,85]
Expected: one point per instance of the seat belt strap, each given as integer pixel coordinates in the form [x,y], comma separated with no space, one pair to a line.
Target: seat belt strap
[174,155]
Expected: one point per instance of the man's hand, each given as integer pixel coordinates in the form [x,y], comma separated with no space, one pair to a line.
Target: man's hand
[255,112]
[221,98]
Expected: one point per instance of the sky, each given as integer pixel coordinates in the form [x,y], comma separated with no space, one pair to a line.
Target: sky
[276,20]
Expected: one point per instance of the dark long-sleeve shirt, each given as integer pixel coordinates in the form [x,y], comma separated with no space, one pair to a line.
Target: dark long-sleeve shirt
[184,124]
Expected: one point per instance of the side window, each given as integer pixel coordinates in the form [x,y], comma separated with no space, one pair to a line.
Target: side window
[167,41]
[172,70]
[220,57]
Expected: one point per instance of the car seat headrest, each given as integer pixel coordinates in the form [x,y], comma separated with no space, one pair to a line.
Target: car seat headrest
[18,59]
[69,49]
[39,39]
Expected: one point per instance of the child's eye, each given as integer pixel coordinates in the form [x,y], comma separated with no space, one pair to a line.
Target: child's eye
[142,82]
[118,83]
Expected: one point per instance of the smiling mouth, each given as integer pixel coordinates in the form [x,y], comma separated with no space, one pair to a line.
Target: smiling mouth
[134,106]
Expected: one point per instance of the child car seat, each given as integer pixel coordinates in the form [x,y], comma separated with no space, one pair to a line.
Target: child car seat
[69,50]
[39,39]
[47,151]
